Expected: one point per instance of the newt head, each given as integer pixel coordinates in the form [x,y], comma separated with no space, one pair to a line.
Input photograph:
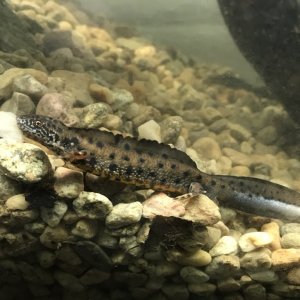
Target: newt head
[45,130]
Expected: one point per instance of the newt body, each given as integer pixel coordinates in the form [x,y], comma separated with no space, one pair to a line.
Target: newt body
[153,165]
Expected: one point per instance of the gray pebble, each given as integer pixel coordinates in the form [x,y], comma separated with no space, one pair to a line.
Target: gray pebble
[106,240]
[52,216]
[35,228]
[202,289]
[19,104]
[53,237]
[129,278]
[94,276]
[46,259]
[124,214]
[176,291]
[266,276]
[210,115]
[193,275]
[130,245]
[170,129]
[267,135]
[28,85]
[86,229]
[255,291]
[23,162]
[92,205]
[228,285]
[8,187]
[239,132]
[257,259]
[68,281]
[68,255]
[121,99]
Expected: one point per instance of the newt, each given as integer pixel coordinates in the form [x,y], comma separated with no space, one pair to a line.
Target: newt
[154,165]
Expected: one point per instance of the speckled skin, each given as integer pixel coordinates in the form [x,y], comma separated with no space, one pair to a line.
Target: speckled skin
[157,166]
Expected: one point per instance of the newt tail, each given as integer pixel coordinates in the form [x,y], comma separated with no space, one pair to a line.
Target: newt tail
[153,165]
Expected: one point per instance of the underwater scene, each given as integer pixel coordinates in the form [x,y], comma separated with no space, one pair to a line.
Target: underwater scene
[131,170]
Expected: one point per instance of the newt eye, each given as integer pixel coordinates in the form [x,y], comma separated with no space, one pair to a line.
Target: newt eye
[38,123]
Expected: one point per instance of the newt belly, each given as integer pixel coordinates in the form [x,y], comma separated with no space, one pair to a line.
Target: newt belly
[157,166]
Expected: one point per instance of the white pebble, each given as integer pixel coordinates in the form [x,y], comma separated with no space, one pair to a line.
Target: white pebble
[9,129]
[17,202]
[150,131]
[253,240]
[226,245]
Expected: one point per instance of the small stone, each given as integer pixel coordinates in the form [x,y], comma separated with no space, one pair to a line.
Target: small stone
[285,258]
[35,228]
[150,131]
[293,276]
[124,214]
[121,99]
[226,245]
[77,84]
[177,291]
[146,114]
[53,237]
[17,202]
[193,275]
[223,266]
[68,256]
[207,148]
[46,259]
[129,278]
[273,229]
[19,104]
[254,291]
[68,183]
[266,276]
[267,135]
[219,125]
[290,240]
[214,234]
[240,171]
[23,162]
[101,93]
[237,158]
[290,228]
[197,259]
[210,115]
[86,229]
[94,276]
[228,285]
[57,106]
[170,129]
[28,85]
[106,240]
[200,209]
[68,281]
[92,205]
[130,245]
[239,132]
[112,122]
[202,289]
[52,216]
[257,259]
[8,187]
[253,240]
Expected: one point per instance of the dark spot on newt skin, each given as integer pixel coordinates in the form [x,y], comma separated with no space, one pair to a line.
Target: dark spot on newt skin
[126,158]
[163,180]
[92,160]
[139,171]
[74,140]
[213,182]
[241,183]
[142,160]
[177,181]
[173,166]
[112,156]
[165,156]
[186,173]
[199,177]
[113,167]
[100,144]
[91,140]
[223,186]
[150,153]
[152,174]
[129,170]
[126,147]
[160,165]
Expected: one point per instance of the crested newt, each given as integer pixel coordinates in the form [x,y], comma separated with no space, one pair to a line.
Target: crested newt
[150,164]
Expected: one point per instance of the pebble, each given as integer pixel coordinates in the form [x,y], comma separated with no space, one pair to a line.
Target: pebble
[57,106]
[226,245]
[193,275]
[255,291]
[223,266]
[228,285]
[92,205]
[46,258]
[9,129]
[94,276]
[257,259]
[293,276]
[68,183]
[239,132]
[52,216]
[267,135]
[202,289]
[124,214]
[17,202]
[28,85]
[52,237]
[290,240]
[19,104]
[253,240]
[150,131]
[176,291]
[68,255]
[207,148]
[266,276]
[170,129]
[273,229]
[285,258]
[23,162]
[121,99]
[68,281]
[290,228]
[86,229]
[197,259]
